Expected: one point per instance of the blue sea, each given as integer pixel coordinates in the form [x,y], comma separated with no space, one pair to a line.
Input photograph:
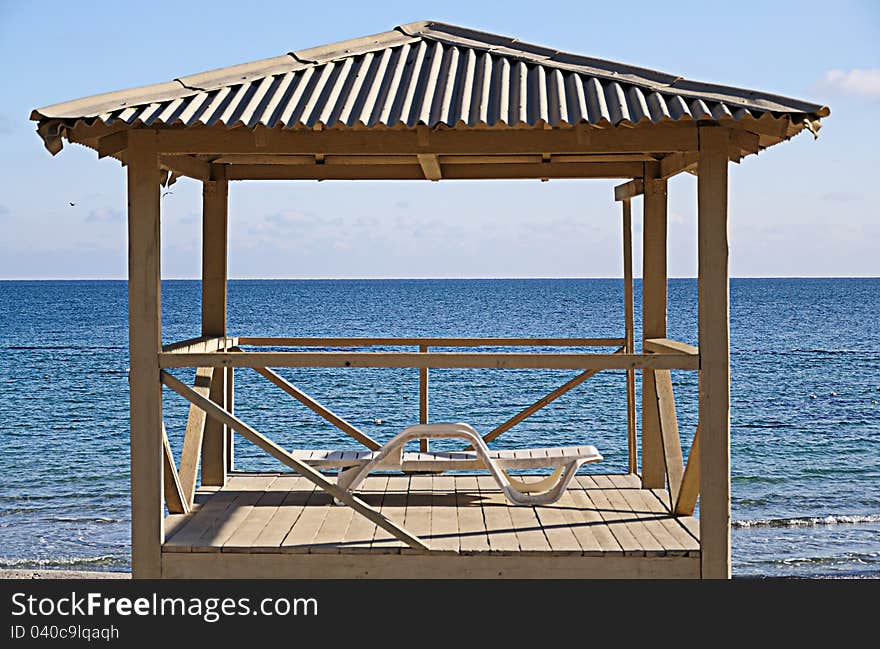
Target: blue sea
[805,399]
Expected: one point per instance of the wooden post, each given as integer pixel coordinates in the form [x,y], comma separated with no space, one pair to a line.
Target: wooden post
[653,319]
[217,439]
[145,343]
[629,325]
[714,336]
[423,399]
[230,406]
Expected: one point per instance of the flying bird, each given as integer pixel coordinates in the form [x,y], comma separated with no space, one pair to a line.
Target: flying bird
[166,194]
[72,204]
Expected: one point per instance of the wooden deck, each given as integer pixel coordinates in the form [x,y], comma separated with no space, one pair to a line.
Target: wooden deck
[279,526]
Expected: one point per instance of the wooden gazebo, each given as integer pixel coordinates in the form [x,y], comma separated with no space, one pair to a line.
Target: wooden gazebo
[436,102]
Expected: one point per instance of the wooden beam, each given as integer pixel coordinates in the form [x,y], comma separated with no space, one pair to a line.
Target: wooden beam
[264,341]
[411,159]
[669,432]
[690,483]
[174,498]
[201,344]
[317,408]
[214,443]
[539,404]
[187,165]
[766,125]
[215,198]
[430,166]
[667,345]
[653,319]
[192,438]
[660,139]
[549,170]
[742,143]
[324,172]
[145,342]
[676,163]
[626,191]
[485,360]
[629,327]
[714,338]
[423,399]
[112,144]
[451,172]
[230,407]
[310,474]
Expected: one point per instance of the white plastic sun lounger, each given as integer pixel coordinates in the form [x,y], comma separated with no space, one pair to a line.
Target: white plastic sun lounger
[355,466]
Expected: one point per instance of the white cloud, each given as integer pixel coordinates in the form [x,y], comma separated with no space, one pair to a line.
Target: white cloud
[104,215]
[853,82]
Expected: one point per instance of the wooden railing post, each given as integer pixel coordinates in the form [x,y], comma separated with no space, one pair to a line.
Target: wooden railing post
[629,347]
[714,334]
[423,399]
[653,319]
[145,343]
[230,407]
[217,438]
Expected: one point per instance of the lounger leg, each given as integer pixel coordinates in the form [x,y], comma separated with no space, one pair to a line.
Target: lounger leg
[548,497]
[540,485]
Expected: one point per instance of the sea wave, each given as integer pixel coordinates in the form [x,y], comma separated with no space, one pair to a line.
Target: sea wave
[808,521]
[834,351]
[74,348]
[106,561]
[87,519]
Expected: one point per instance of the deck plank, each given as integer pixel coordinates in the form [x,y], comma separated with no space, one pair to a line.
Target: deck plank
[557,529]
[419,505]
[469,507]
[682,543]
[689,524]
[201,530]
[261,513]
[617,521]
[337,518]
[651,519]
[635,524]
[444,515]
[583,522]
[271,537]
[302,534]
[361,530]
[393,507]
[496,513]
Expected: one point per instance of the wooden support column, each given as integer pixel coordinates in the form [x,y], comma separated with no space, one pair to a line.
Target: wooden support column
[230,406]
[217,438]
[653,319]
[423,399]
[629,326]
[714,336]
[145,343]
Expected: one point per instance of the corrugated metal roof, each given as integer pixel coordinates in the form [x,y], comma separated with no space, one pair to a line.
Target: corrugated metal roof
[428,74]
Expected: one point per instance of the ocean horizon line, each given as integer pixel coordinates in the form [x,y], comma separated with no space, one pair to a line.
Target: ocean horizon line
[416,279]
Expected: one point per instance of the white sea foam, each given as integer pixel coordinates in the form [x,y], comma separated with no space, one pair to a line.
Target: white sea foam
[65,562]
[807,521]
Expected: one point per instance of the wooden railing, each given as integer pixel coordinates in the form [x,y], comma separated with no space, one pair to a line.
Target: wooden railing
[208,354]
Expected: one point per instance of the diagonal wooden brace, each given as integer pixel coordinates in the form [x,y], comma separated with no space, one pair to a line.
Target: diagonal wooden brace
[280,454]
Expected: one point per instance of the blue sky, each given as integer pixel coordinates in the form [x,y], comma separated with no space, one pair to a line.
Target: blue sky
[803,208]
